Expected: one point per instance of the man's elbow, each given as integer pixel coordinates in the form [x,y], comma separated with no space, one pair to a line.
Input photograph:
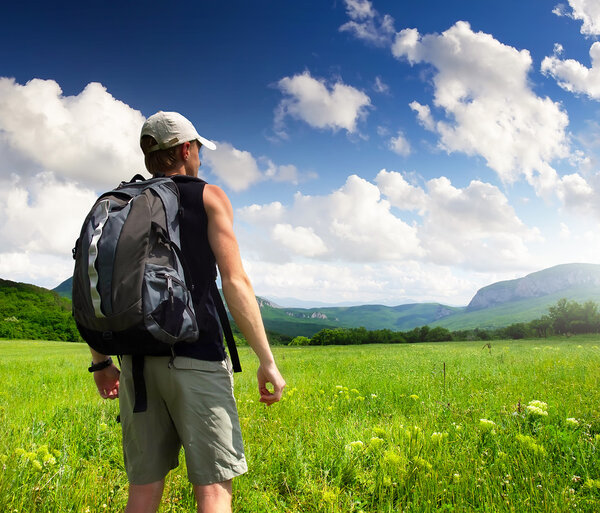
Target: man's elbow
[236,283]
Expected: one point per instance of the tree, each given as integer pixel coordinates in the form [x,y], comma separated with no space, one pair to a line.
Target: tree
[300,341]
[438,334]
[559,315]
[541,326]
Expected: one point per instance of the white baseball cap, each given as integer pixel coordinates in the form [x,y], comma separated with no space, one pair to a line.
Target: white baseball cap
[170,129]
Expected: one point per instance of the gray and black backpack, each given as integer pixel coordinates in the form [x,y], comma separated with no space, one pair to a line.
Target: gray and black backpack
[131,289]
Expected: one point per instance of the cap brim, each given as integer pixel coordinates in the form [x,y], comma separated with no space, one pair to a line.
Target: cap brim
[206,143]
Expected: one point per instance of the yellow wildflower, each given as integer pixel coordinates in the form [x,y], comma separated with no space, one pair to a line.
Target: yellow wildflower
[487,425]
[530,444]
[392,458]
[376,442]
[356,445]
[438,438]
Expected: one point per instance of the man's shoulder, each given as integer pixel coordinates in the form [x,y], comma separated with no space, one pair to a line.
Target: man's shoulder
[215,199]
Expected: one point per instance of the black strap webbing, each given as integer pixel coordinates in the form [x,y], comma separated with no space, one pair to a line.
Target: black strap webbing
[139,385]
[233,354]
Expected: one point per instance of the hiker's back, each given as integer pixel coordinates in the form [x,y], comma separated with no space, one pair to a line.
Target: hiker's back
[201,264]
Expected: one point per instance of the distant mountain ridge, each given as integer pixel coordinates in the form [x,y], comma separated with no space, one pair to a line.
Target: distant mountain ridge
[496,305]
[537,284]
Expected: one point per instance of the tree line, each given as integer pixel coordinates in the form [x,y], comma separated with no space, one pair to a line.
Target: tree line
[564,318]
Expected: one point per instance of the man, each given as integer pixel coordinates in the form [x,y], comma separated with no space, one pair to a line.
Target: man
[191,402]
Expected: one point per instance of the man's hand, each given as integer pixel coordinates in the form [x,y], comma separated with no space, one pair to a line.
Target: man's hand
[107,382]
[270,374]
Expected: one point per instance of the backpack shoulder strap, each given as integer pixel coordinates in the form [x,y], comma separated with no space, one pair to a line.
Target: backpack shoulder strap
[233,354]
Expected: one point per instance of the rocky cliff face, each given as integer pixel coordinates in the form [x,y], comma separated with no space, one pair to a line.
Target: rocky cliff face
[541,283]
[262,302]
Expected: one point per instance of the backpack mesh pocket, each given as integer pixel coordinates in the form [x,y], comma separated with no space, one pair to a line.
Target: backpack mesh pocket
[167,313]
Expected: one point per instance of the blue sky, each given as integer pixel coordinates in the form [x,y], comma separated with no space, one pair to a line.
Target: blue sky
[374,152]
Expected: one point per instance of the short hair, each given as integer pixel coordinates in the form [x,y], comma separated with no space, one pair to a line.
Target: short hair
[159,161]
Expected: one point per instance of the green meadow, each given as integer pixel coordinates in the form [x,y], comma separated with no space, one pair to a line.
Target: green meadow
[451,427]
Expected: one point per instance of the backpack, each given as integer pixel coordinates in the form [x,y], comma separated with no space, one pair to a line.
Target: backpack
[131,289]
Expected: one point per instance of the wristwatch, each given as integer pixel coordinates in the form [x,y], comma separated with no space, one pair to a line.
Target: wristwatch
[100,365]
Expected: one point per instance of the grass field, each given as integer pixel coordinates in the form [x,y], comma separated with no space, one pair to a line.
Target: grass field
[423,427]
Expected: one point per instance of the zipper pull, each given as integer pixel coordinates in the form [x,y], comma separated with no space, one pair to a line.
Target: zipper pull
[170,289]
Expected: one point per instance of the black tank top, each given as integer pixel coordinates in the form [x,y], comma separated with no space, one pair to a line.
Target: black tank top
[201,264]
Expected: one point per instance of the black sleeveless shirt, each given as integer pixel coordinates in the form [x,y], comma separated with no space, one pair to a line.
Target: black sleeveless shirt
[201,264]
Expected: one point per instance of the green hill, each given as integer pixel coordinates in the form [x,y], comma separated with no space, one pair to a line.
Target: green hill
[307,321]
[30,312]
[522,310]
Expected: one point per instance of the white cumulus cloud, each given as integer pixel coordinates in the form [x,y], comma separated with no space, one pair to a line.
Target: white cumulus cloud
[482,86]
[474,227]
[587,11]
[42,215]
[354,223]
[90,138]
[400,192]
[300,240]
[311,100]
[367,24]
[573,76]
[239,169]
[400,144]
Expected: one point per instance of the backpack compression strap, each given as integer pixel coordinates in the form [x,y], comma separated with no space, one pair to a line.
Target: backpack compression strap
[233,354]
[139,385]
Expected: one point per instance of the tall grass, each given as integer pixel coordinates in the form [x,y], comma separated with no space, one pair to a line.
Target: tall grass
[424,427]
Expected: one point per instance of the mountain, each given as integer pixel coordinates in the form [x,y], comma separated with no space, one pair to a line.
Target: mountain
[65,288]
[539,284]
[496,305]
[527,298]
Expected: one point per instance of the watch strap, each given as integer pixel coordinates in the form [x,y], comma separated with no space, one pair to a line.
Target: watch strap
[100,365]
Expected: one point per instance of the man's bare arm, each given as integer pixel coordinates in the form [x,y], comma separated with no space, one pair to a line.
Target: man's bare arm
[238,290]
[107,380]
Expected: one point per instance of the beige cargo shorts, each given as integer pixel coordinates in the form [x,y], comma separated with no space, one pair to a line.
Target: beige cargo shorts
[190,404]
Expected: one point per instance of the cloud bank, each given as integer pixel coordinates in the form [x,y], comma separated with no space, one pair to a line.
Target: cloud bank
[90,138]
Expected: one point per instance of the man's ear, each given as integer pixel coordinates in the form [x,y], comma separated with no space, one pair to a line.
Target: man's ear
[185,150]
